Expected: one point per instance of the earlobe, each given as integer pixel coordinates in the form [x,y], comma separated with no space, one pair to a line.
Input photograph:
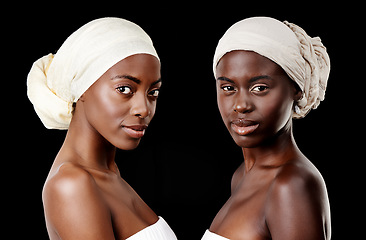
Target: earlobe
[297,97]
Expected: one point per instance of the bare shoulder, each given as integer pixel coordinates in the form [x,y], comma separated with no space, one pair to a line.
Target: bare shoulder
[300,182]
[299,175]
[69,179]
[298,206]
[74,206]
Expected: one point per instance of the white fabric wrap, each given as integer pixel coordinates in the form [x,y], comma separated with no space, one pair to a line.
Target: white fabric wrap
[55,82]
[304,59]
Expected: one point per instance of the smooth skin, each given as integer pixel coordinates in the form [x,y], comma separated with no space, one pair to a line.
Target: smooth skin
[276,193]
[84,195]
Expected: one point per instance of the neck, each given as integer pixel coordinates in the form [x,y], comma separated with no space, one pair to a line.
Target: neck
[87,146]
[274,152]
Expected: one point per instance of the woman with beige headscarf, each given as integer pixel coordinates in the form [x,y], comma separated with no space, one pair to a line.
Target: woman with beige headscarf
[101,85]
[268,72]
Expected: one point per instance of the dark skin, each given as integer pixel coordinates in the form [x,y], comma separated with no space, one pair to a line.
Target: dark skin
[84,195]
[276,193]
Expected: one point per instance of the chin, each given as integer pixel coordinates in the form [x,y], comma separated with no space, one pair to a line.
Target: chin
[249,141]
[246,143]
[127,144]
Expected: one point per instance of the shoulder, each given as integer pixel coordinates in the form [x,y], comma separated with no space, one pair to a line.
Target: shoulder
[70,179]
[74,206]
[69,187]
[298,179]
[297,203]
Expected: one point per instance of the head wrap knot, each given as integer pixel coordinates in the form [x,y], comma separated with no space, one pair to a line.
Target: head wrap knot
[57,81]
[317,70]
[53,111]
[304,59]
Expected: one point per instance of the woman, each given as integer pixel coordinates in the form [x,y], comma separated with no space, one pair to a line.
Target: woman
[101,85]
[268,72]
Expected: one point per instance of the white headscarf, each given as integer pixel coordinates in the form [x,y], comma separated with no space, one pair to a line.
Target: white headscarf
[57,81]
[304,59]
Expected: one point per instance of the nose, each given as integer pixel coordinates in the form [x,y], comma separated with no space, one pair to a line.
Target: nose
[243,104]
[140,106]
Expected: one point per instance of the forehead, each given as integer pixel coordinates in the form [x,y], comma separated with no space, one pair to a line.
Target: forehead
[142,66]
[240,63]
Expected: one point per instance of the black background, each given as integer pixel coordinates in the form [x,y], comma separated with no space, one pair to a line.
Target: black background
[183,166]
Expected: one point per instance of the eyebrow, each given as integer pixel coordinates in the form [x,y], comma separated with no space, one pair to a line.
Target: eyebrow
[129,77]
[253,79]
[134,79]
[225,79]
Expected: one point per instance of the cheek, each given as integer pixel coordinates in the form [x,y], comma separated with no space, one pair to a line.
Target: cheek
[105,109]
[276,111]
[114,106]
[225,105]
[152,109]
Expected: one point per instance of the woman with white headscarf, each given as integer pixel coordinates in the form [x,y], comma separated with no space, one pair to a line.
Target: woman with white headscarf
[268,72]
[101,85]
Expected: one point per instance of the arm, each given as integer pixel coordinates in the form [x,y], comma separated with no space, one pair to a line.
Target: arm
[74,207]
[297,208]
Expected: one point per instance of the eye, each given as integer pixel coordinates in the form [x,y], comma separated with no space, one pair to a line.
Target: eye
[227,88]
[259,88]
[125,90]
[154,93]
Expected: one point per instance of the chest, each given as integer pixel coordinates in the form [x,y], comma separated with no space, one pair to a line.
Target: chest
[129,213]
[243,215]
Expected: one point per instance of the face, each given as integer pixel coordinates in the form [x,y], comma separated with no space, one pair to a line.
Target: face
[122,102]
[255,97]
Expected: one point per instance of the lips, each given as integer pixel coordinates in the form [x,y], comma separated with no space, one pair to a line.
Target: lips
[243,127]
[135,131]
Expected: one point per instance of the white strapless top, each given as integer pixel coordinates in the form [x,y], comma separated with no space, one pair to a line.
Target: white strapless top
[212,236]
[158,231]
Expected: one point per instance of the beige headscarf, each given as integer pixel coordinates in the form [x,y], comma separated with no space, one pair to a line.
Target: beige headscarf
[57,81]
[304,59]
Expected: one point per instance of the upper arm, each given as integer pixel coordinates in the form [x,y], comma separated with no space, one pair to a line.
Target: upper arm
[74,207]
[297,209]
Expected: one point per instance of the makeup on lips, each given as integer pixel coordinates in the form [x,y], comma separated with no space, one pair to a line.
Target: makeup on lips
[135,131]
[243,127]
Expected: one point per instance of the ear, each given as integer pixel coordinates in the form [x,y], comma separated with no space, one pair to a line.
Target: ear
[297,92]
[82,97]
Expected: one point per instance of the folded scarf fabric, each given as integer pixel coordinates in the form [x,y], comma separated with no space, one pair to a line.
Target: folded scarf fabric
[303,58]
[57,81]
